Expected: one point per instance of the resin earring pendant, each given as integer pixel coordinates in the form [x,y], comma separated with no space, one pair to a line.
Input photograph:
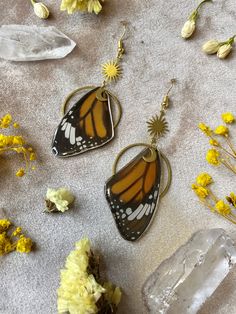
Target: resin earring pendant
[134,191]
[90,124]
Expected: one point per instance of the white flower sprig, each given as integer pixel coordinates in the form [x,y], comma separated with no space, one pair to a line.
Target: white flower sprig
[58,200]
[222,49]
[190,25]
[40,9]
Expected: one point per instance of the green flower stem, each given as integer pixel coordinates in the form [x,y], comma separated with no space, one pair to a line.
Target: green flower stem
[201,3]
[33,2]
[194,14]
[229,41]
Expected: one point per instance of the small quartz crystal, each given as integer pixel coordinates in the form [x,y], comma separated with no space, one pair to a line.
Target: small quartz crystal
[183,282]
[29,43]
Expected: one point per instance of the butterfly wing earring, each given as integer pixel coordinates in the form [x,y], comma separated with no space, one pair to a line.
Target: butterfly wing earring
[134,191]
[89,123]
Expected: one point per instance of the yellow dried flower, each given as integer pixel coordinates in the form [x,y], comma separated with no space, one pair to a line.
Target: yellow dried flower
[20,172]
[204,179]
[79,291]
[5,121]
[205,129]
[90,6]
[15,143]
[221,130]
[212,157]
[222,208]
[232,199]
[200,191]
[4,224]
[5,244]
[228,117]
[24,245]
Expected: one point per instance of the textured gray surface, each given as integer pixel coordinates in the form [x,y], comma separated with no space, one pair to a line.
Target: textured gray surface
[33,93]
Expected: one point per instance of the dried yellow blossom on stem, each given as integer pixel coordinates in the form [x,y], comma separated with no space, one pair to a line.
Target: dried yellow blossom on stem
[81,288]
[211,201]
[221,155]
[90,6]
[13,240]
[15,143]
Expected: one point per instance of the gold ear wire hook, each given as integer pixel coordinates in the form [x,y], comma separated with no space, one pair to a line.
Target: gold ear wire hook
[121,49]
[165,102]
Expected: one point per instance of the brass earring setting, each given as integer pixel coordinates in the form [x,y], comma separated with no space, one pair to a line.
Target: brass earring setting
[133,192]
[90,123]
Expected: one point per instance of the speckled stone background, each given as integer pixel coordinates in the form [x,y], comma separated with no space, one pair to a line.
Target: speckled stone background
[33,92]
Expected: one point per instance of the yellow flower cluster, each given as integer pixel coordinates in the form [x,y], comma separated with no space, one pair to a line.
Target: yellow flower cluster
[212,157]
[7,243]
[220,154]
[80,290]
[209,199]
[90,6]
[15,143]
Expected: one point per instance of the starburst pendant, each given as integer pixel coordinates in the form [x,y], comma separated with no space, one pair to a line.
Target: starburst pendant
[157,126]
[111,70]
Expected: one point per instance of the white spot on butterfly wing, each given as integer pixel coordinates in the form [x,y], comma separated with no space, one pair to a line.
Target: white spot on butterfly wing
[64,126]
[135,213]
[152,207]
[128,211]
[145,208]
[63,122]
[67,131]
[72,135]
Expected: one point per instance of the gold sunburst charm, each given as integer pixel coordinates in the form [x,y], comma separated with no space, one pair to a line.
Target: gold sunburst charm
[157,126]
[111,70]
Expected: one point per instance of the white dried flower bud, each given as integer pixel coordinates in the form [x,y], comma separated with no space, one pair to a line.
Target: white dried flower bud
[41,10]
[211,47]
[224,51]
[188,29]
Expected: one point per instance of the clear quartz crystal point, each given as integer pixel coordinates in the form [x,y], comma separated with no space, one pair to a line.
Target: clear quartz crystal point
[183,282]
[29,43]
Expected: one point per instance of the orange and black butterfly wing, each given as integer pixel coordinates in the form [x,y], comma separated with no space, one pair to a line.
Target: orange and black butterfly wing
[87,125]
[133,193]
